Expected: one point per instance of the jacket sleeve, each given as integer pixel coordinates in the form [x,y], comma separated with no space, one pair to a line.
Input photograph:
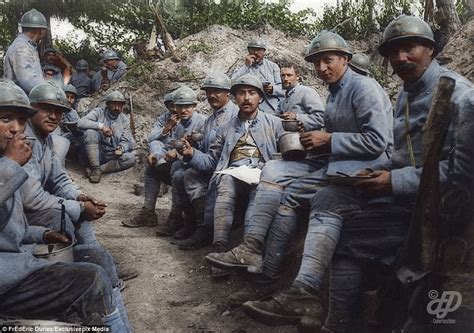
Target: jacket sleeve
[22,61]
[313,118]
[156,132]
[242,70]
[208,161]
[126,140]
[90,120]
[59,181]
[34,234]
[370,114]
[277,87]
[12,177]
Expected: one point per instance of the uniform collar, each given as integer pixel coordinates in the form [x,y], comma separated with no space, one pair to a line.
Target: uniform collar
[253,122]
[425,79]
[221,111]
[28,40]
[291,91]
[334,88]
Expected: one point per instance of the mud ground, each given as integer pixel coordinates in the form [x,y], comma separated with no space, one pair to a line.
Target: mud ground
[173,292]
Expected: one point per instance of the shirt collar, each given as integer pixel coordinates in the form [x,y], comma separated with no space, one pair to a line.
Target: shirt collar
[334,88]
[291,91]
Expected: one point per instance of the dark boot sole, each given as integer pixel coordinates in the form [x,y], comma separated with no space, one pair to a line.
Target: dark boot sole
[270,318]
[226,265]
[138,226]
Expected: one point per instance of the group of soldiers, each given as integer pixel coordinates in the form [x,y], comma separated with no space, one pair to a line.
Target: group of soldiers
[359,159]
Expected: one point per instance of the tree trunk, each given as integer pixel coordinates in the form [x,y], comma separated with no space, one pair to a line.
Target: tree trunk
[429,11]
[448,20]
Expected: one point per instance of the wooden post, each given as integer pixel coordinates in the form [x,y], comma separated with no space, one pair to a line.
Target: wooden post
[418,255]
[167,39]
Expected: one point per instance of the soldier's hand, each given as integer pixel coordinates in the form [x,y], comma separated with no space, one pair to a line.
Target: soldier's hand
[250,59]
[107,131]
[380,183]
[118,151]
[316,140]
[187,150]
[84,197]
[92,212]
[170,123]
[268,88]
[18,149]
[170,155]
[288,115]
[151,159]
[364,172]
[54,237]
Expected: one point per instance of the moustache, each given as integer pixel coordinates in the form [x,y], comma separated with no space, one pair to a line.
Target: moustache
[404,67]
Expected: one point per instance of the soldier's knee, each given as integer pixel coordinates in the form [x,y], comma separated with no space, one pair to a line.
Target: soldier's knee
[127,160]
[91,136]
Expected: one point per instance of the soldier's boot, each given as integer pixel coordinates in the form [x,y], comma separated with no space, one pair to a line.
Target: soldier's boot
[189,225]
[248,255]
[145,218]
[258,290]
[92,151]
[216,272]
[202,237]
[174,223]
[110,166]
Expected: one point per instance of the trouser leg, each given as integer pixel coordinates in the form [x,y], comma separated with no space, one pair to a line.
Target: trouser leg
[85,234]
[153,177]
[51,218]
[91,144]
[114,164]
[71,292]
[100,257]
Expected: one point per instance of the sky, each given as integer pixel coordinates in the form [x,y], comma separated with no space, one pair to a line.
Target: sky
[63,29]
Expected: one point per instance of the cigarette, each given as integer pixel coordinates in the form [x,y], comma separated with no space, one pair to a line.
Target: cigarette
[30,138]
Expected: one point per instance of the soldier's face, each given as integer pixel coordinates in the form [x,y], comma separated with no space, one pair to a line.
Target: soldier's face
[217,98]
[330,66]
[12,123]
[116,107]
[48,75]
[289,79]
[257,52]
[185,111]
[71,98]
[172,108]
[409,59]
[247,98]
[111,64]
[46,119]
[49,57]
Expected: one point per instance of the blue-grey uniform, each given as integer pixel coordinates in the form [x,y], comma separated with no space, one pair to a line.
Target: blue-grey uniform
[82,83]
[113,75]
[278,174]
[69,134]
[48,186]
[306,103]
[230,150]
[196,183]
[122,136]
[367,237]
[65,291]
[266,71]
[22,64]
[359,116]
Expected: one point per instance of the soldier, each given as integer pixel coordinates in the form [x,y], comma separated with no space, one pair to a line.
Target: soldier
[360,63]
[107,138]
[249,140]
[81,80]
[383,203]
[49,58]
[217,87]
[164,166]
[112,71]
[69,292]
[267,71]
[287,186]
[21,63]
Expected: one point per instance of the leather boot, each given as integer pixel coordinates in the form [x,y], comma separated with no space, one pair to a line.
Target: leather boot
[203,235]
[189,225]
[110,166]
[174,223]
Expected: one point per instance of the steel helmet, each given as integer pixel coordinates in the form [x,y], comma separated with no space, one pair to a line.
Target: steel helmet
[257,43]
[184,96]
[115,96]
[168,98]
[49,50]
[33,19]
[49,93]
[13,97]
[82,65]
[404,27]
[216,80]
[110,55]
[247,80]
[69,88]
[327,41]
[360,62]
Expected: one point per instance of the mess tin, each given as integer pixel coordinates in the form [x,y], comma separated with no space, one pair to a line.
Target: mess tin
[290,147]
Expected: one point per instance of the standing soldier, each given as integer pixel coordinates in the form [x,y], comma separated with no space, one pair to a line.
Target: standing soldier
[21,63]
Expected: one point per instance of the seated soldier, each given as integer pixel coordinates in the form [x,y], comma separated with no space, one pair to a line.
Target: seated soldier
[50,70]
[112,71]
[38,288]
[163,163]
[80,80]
[249,141]
[196,183]
[374,215]
[108,141]
[267,71]
[287,186]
